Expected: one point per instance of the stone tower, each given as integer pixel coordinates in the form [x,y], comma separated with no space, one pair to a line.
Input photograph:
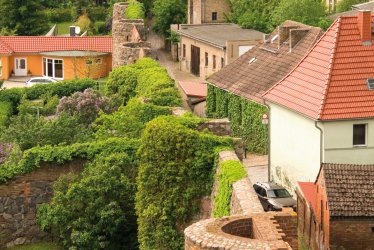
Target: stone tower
[129,37]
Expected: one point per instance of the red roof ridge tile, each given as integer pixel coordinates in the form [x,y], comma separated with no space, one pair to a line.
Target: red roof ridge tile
[329,73]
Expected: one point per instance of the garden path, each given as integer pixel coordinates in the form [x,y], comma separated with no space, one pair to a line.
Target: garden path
[257,167]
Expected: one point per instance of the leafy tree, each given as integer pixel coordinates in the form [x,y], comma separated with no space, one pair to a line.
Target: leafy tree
[254,14]
[23,16]
[311,12]
[344,5]
[167,12]
[95,210]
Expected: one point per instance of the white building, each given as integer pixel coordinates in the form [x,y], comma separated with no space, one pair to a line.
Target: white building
[323,110]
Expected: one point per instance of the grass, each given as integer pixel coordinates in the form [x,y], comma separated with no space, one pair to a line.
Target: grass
[63,28]
[37,246]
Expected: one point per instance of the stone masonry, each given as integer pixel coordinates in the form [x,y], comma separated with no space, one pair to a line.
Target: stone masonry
[19,199]
[129,37]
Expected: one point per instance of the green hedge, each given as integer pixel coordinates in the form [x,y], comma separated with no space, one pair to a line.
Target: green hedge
[230,172]
[175,172]
[59,15]
[63,88]
[32,158]
[5,113]
[135,10]
[245,117]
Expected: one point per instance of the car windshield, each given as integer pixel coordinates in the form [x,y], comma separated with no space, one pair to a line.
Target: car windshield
[278,193]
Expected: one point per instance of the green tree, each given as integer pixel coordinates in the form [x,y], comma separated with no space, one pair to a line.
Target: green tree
[311,12]
[344,5]
[95,210]
[23,16]
[167,12]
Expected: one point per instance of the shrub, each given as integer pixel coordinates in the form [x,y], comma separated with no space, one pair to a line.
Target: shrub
[84,22]
[5,113]
[100,28]
[95,210]
[86,106]
[129,121]
[12,96]
[98,13]
[122,81]
[230,172]
[135,10]
[59,15]
[176,166]
[32,158]
[27,131]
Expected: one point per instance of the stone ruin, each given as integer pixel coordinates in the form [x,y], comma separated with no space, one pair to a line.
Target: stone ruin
[129,38]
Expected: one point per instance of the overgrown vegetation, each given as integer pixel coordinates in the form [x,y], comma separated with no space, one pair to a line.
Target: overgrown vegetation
[176,166]
[245,117]
[230,172]
[135,10]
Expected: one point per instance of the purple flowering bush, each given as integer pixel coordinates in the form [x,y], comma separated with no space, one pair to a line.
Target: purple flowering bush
[6,150]
[86,105]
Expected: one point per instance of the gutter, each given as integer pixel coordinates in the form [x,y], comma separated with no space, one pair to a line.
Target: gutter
[321,142]
[269,124]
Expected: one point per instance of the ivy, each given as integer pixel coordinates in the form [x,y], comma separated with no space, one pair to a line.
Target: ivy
[32,158]
[230,172]
[176,166]
[245,117]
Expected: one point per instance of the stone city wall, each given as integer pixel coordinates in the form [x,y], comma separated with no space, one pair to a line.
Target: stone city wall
[19,199]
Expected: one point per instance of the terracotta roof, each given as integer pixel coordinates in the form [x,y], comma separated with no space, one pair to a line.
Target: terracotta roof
[349,189]
[194,89]
[219,33]
[251,80]
[330,82]
[37,44]
[309,191]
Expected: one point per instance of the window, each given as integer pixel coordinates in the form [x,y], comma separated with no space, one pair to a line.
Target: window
[214,62]
[184,50]
[278,193]
[53,68]
[99,61]
[89,62]
[263,192]
[214,16]
[359,134]
[206,59]
[222,62]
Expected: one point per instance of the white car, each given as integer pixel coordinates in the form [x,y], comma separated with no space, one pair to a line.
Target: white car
[39,80]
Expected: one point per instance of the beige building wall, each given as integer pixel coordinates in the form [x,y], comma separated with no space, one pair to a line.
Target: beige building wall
[201,11]
[338,143]
[223,56]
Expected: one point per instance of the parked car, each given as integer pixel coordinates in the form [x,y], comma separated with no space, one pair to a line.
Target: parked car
[274,197]
[39,80]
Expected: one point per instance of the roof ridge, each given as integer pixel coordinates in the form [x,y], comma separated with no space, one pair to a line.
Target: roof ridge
[329,73]
[298,64]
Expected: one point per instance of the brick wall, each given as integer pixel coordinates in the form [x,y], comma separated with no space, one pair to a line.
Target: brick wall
[352,234]
[20,198]
[288,225]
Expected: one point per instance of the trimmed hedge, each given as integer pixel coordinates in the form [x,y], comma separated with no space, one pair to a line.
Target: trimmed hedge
[63,88]
[5,113]
[230,172]
[32,158]
[135,10]
[175,172]
[245,117]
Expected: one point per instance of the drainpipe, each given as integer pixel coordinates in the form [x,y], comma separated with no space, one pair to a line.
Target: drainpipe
[321,143]
[269,124]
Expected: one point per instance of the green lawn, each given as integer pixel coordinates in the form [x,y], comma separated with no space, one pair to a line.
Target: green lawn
[63,28]
[37,246]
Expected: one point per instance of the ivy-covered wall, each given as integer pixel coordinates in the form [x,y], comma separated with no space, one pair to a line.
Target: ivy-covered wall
[245,117]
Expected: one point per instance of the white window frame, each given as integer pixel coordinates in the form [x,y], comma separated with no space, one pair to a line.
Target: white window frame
[366,135]
[53,67]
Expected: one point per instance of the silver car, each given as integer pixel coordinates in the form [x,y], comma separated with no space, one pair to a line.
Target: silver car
[274,197]
[39,80]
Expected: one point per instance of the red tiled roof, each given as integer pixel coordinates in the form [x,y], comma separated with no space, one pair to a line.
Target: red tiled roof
[194,89]
[309,191]
[37,44]
[330,81]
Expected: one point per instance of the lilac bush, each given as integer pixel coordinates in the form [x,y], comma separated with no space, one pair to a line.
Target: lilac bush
[5,150]
[86,105]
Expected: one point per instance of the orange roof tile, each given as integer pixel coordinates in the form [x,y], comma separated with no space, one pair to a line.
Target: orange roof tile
[330,81]
[194,89]
[37,44]
[309,191]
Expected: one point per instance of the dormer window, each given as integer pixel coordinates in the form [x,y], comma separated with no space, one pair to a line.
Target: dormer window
[370,83]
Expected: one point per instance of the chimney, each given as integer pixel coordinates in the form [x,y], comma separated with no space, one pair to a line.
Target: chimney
[284,33]
[72,30]
[296,35]
[364,26]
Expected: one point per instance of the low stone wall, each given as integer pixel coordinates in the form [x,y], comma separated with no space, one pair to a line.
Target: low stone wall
[20,198]
[221,127]
[264,232]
